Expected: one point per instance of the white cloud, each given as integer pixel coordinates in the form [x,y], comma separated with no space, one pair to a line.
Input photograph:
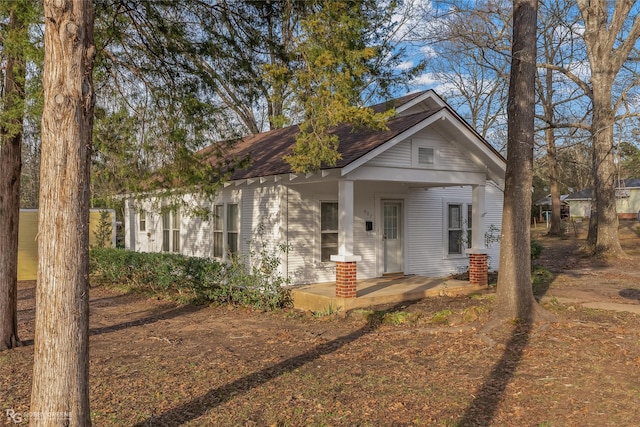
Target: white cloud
[405,65]
[428,51]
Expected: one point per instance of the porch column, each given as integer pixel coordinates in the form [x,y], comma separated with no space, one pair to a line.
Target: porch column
[345,259]
[478,263]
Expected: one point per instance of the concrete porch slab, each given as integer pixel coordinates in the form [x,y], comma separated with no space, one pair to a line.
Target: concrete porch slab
[321,297]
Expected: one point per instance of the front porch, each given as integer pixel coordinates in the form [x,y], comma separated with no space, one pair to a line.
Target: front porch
[321,297]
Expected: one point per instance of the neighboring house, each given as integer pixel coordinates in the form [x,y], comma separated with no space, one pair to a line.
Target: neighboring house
[408,200]
[627,201]
[28,243]
[545,207]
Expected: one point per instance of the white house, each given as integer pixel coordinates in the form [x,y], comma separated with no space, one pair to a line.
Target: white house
[627,201]
[418,198]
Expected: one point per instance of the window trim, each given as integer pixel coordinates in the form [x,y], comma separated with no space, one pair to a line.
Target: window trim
[416,145]
[176,220]
[335,231]
[225,232]
[218,229]
[142,221]
[171,239]
[235,232]
[464,211]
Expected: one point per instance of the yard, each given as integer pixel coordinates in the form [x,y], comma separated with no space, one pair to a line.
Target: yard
[155,363]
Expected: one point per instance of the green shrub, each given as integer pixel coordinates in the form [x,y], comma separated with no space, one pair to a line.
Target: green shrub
[536,249]
[196,280]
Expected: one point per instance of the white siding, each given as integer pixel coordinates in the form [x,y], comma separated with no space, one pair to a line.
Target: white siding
[448,157]
[303,220]
[427,253]
[399,156]
[262,222]
[494,202]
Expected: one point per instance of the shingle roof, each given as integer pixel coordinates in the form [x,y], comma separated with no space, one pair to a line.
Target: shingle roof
[266,150]
[586,193]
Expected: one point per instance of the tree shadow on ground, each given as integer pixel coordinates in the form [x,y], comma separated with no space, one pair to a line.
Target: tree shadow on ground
[155,316]
[630,293]
[487,399]
[219,395]
[152,318]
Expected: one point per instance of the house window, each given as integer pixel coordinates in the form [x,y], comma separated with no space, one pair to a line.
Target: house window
[171,231]
[469,225]
[424,153]
[328,230]
[166,231]
[142,223]
[176,231]
[218,230]
[426,156]
[226,230]
[233,226]
[454,228]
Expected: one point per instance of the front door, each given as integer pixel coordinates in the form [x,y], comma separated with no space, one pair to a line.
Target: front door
[392,236]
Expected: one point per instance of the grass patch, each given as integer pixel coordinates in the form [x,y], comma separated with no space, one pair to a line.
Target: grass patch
[541,279]
[385,317]
[441,317]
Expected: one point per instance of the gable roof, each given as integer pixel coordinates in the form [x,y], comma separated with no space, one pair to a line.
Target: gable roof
[266,150]
[547,200]
[586,194]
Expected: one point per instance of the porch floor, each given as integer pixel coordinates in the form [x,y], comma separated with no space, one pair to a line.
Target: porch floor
[321,297]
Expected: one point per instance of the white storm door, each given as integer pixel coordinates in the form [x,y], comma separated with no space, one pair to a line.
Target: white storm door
[392,242]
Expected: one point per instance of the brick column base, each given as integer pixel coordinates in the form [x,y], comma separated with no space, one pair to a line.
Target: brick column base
[478,270]
[345,279]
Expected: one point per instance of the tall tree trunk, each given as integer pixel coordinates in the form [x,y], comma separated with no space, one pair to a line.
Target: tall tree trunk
[515,296]
[10,167]
[604,169]
[61,353]
[552,164]
[611,30]
[552,156]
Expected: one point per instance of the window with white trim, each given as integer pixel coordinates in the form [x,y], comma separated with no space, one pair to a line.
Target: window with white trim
[171,231]
[424,153]
[166,231]
[233,228]
[458,227]
[175,228]
[142,220]
[218,231]
[469,225]
[328,230]
[426,156]
[454,228]
[226,230]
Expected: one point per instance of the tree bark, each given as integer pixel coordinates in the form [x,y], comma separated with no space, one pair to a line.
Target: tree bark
[607,53]
[604,169]
[552,164]
[515,295]
[10,167]
[60,390]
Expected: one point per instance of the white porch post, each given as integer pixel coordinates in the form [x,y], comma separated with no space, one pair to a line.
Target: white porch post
[478,265]
[345,259]
[479,210]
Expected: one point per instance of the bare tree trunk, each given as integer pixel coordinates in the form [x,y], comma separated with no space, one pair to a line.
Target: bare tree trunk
[10,167]
[552,163]
[515,296]
[608,49]
[60,391]
[607,241]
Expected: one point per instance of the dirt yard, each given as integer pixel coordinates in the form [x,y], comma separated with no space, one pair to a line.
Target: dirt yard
[155,363]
